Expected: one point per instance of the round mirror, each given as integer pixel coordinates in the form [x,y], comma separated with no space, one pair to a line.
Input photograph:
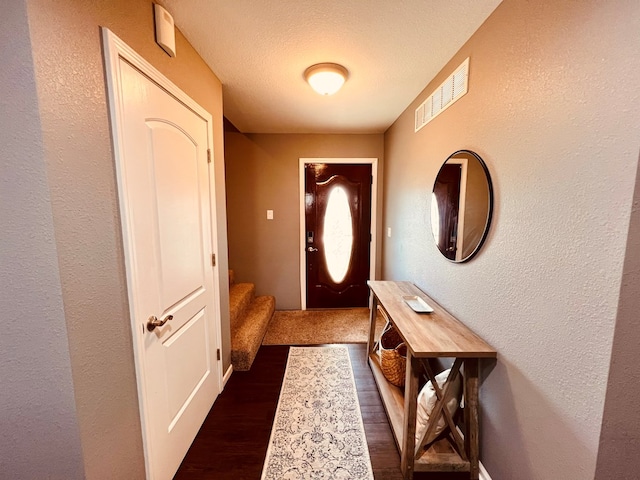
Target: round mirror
[461,206]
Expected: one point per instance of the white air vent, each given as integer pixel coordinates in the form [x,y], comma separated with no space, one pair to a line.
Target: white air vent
[454,87]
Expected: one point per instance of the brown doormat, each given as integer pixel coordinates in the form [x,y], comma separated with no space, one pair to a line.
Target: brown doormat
[315,327]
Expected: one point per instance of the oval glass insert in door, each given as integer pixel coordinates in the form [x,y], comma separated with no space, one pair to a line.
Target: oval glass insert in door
[338,234]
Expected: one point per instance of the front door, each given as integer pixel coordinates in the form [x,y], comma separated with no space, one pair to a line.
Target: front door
[337,234]
[165,202]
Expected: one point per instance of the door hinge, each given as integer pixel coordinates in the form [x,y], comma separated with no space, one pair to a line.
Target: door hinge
[208,155]
[213,259]
[218,353]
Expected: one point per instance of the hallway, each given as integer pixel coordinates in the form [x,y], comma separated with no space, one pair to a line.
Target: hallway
[232,442]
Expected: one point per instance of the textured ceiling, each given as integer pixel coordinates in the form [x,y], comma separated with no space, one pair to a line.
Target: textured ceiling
[259,49]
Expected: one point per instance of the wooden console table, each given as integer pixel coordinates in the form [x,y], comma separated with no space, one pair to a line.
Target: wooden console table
[434,335]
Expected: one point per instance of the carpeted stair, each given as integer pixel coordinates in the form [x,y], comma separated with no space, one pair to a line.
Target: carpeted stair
[250,317]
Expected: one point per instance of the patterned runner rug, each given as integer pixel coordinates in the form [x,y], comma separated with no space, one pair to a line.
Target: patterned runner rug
[318,432]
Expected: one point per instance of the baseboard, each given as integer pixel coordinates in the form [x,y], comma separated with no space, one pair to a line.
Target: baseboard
[227,376]
[484,475]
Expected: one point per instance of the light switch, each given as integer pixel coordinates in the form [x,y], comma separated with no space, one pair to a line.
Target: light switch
[269,214]
[389,232]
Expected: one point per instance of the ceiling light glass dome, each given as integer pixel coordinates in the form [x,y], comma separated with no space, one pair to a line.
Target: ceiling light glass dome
[326,78]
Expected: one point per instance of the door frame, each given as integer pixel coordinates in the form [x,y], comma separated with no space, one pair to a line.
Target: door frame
[115,49]
[463,162]
[374,216]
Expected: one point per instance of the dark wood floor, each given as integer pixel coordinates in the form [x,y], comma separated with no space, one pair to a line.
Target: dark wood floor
[232,442]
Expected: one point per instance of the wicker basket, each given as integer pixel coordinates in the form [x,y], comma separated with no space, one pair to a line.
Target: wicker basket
[393,356]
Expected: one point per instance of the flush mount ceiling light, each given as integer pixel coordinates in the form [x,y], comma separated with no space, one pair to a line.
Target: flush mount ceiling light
[326,78]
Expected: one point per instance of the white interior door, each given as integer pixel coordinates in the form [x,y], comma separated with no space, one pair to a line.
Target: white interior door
[164,183]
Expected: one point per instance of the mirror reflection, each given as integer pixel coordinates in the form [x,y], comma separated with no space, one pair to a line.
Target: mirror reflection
[461,206]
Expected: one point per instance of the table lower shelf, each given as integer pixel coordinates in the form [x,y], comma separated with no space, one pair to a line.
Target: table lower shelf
[440,456]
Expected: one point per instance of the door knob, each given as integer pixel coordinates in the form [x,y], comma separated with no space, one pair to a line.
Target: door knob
[312,249]
[153,322]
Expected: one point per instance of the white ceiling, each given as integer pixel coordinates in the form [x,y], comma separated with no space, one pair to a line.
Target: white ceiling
[259,49]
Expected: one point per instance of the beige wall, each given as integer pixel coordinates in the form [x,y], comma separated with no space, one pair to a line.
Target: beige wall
[620,436]
[40,436]
[553,110]
[77,146]
[262,173]
[476,207]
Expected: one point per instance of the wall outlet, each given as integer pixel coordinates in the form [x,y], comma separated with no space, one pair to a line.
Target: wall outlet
[269,214]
